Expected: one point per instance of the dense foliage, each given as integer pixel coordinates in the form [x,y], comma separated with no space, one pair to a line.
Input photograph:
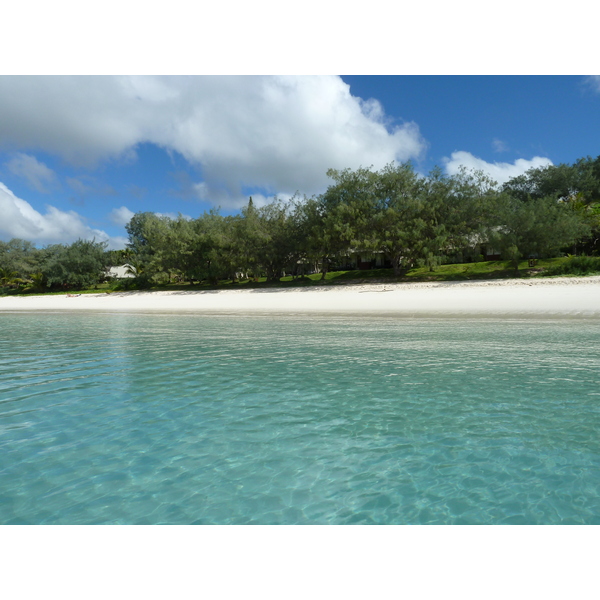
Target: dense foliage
[59,266]
[576,265]
[393,217]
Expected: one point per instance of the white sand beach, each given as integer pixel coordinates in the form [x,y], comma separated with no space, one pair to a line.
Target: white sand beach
[559,297]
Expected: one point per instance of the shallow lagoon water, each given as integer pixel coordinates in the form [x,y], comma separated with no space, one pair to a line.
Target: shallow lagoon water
[190,419]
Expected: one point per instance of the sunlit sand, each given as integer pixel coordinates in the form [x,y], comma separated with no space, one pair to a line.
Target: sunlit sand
[537,297]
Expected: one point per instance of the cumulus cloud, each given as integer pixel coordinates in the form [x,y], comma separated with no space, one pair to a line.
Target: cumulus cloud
[278,133]
[21,220]
[120,216]
[36,173]
[501,172]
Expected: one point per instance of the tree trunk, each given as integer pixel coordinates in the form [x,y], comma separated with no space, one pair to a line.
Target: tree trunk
[396,262]
[273,274]
[324,268]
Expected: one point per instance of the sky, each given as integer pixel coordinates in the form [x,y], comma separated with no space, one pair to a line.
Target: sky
[79,155]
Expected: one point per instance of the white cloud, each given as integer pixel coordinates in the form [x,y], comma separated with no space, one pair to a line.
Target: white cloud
[21,220]
[501,172]
[37,174]
[120,216]
[499,145]
[593,81]
[277,133]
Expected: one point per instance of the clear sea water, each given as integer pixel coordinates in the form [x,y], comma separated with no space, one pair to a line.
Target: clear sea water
[189,419]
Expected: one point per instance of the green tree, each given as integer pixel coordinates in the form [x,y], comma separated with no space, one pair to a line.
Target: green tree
[10,279]
[276,244]
[553,180]
[250,237]
[563,181]
[341,220]
[268,239]
[409,218]
[116,258]
[399,224]
[149,244]
[196,244]
[224,254]
[39,282]
[469,212]
[538,227]
[20,256]
[76,266]
[314,246]
[590,214]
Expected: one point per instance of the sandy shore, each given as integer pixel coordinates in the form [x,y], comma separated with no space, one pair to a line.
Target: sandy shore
[578,297]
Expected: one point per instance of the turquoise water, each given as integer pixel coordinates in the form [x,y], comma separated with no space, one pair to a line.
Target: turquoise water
[323,420]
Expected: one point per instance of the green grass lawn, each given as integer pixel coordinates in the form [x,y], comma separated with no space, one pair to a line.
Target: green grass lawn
[458,272]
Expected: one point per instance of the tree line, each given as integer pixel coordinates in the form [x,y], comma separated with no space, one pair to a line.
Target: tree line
[395,213]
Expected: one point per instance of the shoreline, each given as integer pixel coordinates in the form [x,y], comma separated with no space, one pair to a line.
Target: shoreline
[560,297]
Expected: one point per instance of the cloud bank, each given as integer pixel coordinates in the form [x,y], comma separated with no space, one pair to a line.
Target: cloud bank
[277,133]
[21,220]
[501,172]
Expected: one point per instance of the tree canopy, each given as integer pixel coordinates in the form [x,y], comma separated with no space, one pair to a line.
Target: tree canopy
[395,213]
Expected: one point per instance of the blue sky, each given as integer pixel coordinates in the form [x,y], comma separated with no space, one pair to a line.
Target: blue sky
[80,155]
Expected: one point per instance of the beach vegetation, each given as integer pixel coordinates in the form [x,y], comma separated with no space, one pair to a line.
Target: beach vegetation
[388,224]
[75,266]
[471,271]
[20,257]
[537,227]
[38,282]
[576,186]
[575,265]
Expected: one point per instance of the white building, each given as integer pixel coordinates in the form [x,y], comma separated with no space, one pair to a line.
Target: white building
[123,272]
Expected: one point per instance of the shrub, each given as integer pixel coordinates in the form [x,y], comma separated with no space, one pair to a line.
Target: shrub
[575,265]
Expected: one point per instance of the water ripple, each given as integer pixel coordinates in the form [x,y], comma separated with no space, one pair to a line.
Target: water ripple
[192,419]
